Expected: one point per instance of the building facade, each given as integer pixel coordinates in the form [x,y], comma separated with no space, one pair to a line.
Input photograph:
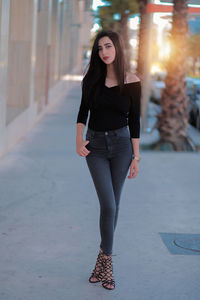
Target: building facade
[40,42]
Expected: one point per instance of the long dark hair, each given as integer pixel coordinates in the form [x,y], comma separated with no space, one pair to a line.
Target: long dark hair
[95,76]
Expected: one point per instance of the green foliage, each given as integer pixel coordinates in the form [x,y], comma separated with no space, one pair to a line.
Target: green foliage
[123,7]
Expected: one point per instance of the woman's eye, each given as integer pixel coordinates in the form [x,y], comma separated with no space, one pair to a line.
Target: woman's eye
[106,47]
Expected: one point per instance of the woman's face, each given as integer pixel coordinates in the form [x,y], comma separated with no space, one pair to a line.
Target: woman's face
[106,50]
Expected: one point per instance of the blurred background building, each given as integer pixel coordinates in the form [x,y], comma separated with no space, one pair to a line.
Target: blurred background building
[40,42]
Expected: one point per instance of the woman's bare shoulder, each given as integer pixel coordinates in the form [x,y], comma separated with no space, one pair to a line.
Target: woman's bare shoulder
[131,77]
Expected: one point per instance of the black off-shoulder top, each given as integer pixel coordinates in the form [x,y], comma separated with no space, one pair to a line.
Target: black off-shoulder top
[114,110]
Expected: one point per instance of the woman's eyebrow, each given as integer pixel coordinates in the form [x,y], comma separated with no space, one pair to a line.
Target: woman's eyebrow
[106,44]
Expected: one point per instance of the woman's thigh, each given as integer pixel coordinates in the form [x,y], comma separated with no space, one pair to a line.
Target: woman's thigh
[99,167]
[121,160]
[119,166]
[109,160]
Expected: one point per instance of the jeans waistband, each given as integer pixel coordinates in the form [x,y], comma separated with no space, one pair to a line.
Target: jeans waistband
[108,132]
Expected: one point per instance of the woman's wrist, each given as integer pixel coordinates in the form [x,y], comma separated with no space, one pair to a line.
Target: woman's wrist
[79,138]
[136,157]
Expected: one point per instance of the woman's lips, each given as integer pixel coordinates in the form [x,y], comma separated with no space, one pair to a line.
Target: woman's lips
[105,57]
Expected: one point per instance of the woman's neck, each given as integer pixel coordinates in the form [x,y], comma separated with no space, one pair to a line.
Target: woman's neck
[110,72]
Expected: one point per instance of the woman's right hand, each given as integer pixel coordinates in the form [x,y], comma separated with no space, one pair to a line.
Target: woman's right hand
[80,147]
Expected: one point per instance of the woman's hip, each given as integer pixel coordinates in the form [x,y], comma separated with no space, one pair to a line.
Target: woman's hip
[109,143]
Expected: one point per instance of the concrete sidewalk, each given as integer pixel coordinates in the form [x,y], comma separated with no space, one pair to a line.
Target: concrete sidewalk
[50,216]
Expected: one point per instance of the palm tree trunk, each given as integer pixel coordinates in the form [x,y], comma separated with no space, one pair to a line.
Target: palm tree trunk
[144,57]
[173,120]
[125,35]
[142,39]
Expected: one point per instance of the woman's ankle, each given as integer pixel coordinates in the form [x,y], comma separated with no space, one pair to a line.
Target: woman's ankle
[104,254]
[107,255]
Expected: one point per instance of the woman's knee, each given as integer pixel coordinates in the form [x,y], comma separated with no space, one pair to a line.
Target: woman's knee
[108,211]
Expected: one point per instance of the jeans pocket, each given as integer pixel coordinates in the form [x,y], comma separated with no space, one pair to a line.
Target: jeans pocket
[123,133]
[88,136]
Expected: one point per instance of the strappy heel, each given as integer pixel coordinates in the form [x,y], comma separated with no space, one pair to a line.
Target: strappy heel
[108,273]
[97,275]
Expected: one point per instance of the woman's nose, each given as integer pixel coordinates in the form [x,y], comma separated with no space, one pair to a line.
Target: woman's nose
[104,52]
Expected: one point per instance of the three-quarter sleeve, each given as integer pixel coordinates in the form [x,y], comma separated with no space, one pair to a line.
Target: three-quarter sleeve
[83,111]
[135,110]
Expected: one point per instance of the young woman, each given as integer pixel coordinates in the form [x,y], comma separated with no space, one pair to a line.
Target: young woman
[112,95]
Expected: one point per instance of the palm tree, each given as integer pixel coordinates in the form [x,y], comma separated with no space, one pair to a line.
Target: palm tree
[173,120]
[142,38]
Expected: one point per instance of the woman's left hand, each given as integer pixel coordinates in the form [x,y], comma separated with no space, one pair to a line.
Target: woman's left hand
[134,169]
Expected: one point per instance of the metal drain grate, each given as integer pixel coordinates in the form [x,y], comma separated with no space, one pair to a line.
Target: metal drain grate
[182,243]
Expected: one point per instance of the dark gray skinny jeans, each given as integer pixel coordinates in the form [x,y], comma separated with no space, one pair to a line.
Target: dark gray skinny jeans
[108,163]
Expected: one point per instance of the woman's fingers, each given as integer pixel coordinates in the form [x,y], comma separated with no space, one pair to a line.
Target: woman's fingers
[81,149]
[133,171]
[132,174]
[84,151]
